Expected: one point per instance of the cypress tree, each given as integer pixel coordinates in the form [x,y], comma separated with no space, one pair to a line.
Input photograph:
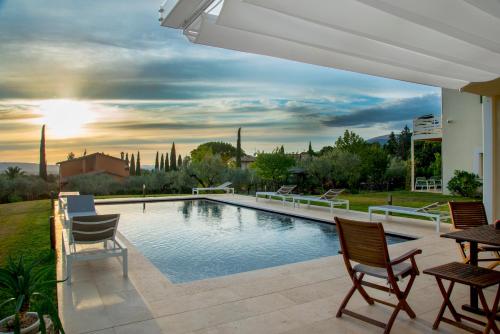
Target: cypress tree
[126,159]
[238,149]
[162,163]
[310,150]
[132,165]
[179,162]
[157,162]
[138,164]
[122,155]
[173,155]
[282,149]
[167,163]
[43,160]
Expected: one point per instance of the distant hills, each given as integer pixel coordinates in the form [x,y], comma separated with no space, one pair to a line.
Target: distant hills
[380,139]
[28,168]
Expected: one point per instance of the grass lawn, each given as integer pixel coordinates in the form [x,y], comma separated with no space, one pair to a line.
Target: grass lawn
[25,230]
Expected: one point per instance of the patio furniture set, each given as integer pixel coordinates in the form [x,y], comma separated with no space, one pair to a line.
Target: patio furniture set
[364,244]
[424,184]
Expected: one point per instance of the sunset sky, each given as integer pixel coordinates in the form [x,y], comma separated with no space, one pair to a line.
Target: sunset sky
[104,76]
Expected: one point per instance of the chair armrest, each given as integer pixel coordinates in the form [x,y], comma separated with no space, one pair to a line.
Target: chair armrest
[408,255]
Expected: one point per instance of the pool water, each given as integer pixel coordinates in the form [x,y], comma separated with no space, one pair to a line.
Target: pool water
[199,239]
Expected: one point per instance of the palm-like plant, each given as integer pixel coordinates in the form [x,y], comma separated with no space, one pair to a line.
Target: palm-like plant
[13,172]
[22,283]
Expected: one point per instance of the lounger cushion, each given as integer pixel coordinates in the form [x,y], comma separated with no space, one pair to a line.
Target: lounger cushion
[400,270]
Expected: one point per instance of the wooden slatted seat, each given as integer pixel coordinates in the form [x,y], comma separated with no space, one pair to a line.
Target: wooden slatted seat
[466,274]
[467,215]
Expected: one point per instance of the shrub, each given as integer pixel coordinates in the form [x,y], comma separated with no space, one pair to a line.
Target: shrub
[396,173]
[465,184]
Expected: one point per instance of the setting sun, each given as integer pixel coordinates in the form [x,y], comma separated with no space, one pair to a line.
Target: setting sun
[65,118]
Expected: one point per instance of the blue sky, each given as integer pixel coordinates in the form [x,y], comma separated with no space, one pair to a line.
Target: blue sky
[142,86]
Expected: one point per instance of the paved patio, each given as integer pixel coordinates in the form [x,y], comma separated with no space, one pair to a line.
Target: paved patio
[295,298]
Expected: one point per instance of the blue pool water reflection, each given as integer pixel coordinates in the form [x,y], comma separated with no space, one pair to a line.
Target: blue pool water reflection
[192,240]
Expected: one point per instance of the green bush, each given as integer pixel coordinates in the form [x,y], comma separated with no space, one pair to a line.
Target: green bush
[465,184]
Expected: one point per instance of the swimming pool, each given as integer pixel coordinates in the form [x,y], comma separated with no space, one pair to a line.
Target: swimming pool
[197,239]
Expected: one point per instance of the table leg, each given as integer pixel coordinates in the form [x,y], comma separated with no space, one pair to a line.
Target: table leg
[474,301]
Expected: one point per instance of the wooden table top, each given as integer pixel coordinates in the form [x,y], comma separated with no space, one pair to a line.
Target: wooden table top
[486,234]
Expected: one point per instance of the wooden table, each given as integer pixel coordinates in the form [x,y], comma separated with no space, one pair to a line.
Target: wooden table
[487,235]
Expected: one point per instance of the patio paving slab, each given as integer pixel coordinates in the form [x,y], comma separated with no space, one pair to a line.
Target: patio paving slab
[295,298]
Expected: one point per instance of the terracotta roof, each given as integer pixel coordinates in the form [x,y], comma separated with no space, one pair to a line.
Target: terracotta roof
[90,155]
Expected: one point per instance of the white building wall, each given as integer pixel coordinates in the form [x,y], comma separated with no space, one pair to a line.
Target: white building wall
[462,145]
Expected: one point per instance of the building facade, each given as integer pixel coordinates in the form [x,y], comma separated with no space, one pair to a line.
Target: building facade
[96,163]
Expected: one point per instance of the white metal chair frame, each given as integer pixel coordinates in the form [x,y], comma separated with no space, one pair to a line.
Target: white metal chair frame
[284,193]
[72,254]
[425,211]
[330,197]
[224,186]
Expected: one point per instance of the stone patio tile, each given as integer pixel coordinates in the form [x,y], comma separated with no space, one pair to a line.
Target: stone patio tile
[220,314]
[178,304]
[269,323]
[146,327]
[125,307]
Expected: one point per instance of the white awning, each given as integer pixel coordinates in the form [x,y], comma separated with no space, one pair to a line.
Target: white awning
[445,43]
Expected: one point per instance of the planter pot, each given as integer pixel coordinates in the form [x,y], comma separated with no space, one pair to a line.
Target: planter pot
[33,329]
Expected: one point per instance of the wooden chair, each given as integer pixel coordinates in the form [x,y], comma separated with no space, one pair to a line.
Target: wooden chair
[365,244]
[466,215]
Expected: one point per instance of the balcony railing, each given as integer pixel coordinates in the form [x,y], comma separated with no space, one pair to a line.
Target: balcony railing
[427,126]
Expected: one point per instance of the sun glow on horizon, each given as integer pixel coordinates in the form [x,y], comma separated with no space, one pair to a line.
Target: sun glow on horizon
[65,118]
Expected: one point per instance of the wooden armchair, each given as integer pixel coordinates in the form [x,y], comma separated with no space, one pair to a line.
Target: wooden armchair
[365,244]
[466,215]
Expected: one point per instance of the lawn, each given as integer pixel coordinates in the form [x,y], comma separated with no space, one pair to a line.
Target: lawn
[25,230]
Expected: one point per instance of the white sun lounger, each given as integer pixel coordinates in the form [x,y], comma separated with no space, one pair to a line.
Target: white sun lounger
[421,212]
[284,193]
[81,205]
[330,197]
[92,238]
[224,186]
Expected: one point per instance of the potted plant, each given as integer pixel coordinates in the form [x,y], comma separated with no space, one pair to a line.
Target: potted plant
[22,283]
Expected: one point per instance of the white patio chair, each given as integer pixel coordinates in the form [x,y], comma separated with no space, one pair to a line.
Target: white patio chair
[224,186]
[421,182]
[63,198]
[86,231]
[81,205]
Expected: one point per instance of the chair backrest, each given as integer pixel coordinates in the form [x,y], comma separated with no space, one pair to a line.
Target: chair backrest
[363,242]
[80,203]
[224,185]
[94,229]
[465,215]
[429,207]
[332,194]
[284,190]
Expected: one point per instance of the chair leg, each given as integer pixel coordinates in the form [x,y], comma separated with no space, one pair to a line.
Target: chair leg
[125,263]
[446,303]
[402,296]
[345,301]
[356,286]
[69,267]
[490,314]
